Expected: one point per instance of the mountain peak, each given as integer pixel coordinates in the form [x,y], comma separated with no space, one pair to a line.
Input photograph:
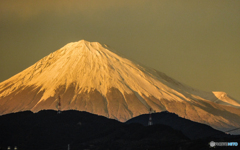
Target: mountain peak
[83,41]
[82,44]
[89,77]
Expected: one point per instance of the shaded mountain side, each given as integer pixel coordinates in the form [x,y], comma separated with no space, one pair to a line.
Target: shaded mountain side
[47,130]
[191,129]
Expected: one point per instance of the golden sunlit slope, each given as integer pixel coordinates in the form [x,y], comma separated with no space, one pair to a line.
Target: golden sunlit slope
[89,77]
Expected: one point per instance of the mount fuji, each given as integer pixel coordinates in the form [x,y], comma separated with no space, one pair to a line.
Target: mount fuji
[89,77]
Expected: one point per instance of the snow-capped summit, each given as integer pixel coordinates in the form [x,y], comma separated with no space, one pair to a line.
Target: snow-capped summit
[89,77]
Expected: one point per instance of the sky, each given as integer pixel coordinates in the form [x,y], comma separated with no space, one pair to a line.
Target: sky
[195,42]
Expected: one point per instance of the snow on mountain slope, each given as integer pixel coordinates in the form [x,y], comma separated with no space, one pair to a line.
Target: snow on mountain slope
[89,77]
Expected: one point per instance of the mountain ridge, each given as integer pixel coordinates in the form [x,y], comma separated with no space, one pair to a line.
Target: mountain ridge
[191,129]
[89,77]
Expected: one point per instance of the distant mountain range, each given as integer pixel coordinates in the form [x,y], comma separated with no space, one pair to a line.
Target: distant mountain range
[86,76]
[49,130]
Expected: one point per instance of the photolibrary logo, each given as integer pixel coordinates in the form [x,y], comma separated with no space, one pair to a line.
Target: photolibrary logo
[213,144]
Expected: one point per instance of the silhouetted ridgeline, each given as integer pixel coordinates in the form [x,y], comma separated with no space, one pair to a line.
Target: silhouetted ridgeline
[191,129]
[47,130]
